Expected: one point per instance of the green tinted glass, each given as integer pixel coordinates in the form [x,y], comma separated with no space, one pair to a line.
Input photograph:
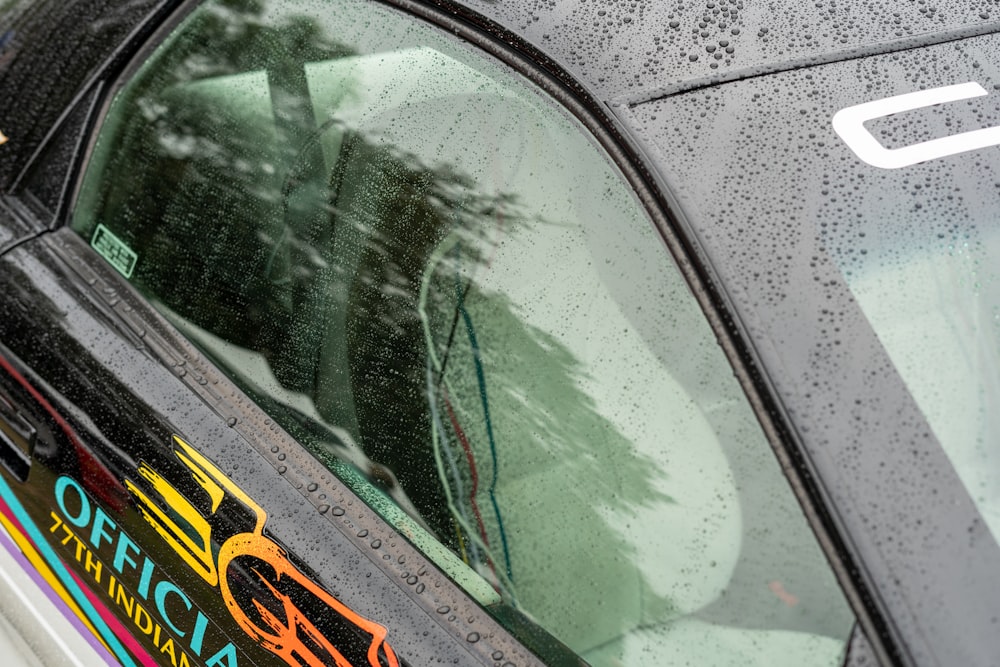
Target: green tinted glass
[428,273]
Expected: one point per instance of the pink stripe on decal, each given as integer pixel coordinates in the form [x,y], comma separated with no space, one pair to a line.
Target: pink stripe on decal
[121,632]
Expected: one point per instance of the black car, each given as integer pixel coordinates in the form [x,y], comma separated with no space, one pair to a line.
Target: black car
[412,332]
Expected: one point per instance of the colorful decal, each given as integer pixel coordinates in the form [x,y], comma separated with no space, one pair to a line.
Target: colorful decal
[270,598]
[34,565]
[94,614]
[155,606]
[77,598]
[218,532]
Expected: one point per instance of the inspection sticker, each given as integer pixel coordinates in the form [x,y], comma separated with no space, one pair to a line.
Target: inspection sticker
[113,249]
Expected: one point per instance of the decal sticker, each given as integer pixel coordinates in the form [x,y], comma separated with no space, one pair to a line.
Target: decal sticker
[121,595]
[849,125]
[155,606]
[23,551]
[77,597]
[113,249]
[198,515]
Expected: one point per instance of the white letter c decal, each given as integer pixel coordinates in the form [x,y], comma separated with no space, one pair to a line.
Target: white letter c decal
[849,124]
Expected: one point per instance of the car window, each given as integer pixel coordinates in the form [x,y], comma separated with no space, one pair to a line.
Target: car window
[431,275]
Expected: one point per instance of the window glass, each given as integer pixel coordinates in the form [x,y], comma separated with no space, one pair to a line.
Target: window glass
[429,274]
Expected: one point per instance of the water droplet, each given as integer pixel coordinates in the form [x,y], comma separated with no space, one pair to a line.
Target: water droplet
[472,637]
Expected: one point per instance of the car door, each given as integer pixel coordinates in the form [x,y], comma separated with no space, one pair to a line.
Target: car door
[355,346]
[121,482]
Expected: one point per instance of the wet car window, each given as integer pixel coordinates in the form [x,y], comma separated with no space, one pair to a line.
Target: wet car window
[428,272]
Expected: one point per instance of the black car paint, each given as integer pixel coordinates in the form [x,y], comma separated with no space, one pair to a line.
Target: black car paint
[56,53]
[632,52]
[885,587]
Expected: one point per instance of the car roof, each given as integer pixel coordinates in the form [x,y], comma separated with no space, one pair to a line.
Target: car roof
[618,52]
[634,50]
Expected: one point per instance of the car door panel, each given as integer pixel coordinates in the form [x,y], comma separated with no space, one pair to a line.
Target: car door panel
[196,526]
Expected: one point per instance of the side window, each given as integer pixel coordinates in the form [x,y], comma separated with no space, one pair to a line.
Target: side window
[427,271]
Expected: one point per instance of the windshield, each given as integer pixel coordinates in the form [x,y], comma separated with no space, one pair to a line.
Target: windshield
[861,263]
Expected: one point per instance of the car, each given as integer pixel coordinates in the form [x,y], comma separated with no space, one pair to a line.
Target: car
[411,332]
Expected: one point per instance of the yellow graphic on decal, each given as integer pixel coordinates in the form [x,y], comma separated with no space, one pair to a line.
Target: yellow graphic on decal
[270,598]
[196,549]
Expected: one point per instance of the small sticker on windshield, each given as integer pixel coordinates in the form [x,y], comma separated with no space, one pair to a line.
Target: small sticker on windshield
[113,249]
